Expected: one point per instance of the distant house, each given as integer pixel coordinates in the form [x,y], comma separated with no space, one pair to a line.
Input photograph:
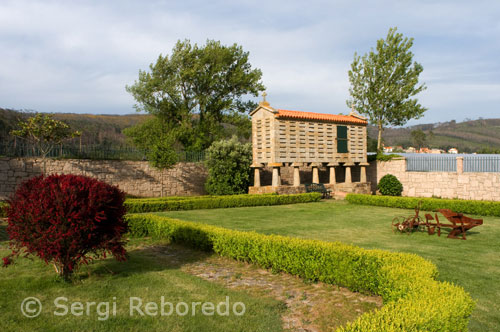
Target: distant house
[436,151]
[424,150]
[411,149]
[388,149]
[453,150]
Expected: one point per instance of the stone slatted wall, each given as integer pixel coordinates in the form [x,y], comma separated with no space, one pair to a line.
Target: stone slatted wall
[134,177]
[474,186]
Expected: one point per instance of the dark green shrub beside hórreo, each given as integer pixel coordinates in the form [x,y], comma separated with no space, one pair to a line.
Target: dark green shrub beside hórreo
[389,185]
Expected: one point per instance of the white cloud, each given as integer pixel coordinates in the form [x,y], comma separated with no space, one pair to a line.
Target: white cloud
[78,56]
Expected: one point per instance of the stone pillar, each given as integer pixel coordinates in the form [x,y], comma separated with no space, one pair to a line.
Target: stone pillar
[315,172]
[460,165]
[256,177]
[348,178]
[363,172]
[331,166]
[296,174]
[276,174]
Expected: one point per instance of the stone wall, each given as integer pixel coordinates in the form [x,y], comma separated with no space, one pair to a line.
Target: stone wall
[134,177]
[140,179]
[462,185]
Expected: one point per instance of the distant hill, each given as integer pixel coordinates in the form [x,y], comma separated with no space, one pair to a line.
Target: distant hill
[467,136]
[106,130]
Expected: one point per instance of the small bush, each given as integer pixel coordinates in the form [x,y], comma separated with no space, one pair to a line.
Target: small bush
[215,202]
[228,164]
[414,300]
[66,220]
[484,208]
[389,185]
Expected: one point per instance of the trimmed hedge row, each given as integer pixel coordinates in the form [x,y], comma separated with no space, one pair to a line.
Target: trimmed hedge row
[414,300]
[215,202]
[182,198]
[485,208]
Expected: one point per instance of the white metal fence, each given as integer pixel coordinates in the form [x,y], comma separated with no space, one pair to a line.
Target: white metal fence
[448,163]
[430,164]
[482,164]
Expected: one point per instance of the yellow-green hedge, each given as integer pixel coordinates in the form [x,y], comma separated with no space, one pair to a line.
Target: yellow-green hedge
[414,300]
[215,202]
[485,208]
[3,213]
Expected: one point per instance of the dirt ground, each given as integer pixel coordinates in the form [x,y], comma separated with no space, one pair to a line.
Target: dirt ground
[311,307]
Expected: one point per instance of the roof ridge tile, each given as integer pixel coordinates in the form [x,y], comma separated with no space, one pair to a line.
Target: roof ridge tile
[320,116]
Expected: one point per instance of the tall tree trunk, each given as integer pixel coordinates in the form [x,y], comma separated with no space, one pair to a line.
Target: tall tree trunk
[379,142]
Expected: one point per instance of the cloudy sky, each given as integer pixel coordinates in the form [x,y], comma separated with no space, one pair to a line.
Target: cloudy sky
[77,56]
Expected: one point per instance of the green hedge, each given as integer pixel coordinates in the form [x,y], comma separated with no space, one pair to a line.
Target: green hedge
[215,202]
[3,205]
[485,208]
[414,300]
[182,198]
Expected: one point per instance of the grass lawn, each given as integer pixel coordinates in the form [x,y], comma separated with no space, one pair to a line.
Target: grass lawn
[144,276]
[473,264]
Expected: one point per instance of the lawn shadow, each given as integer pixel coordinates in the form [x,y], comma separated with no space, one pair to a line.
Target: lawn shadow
[143,259]
[3,232]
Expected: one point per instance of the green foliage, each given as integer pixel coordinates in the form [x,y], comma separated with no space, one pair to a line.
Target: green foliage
[414,300]
[418,138]
[239,124]
[386,157]
[44,132]
[162,155]
[3,211]
[384,81]
[228,163]
[146,134]
[154,137]
[141,205]
[195,87]
[488,151]
[371,145]
[484,208]
[389,185]
[382,156]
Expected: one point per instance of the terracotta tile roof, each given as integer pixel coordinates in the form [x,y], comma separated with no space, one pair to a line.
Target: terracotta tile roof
[348,119]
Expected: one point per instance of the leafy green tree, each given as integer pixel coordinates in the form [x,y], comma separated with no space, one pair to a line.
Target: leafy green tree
[238,124]
[228,163]
[44,133]
[156,140]
[418,138]
[371,144]
[195,87]
[384,81]
[162,155]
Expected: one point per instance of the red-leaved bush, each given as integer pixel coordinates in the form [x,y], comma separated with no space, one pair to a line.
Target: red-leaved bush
[66,220]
